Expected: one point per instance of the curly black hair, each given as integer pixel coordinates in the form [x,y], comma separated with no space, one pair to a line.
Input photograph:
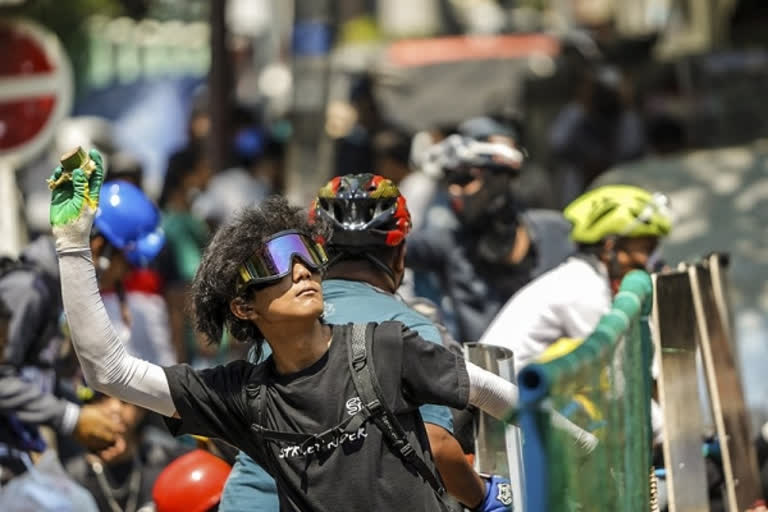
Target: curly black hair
[215,283]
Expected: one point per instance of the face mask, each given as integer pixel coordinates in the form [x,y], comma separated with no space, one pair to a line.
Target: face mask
[480,208]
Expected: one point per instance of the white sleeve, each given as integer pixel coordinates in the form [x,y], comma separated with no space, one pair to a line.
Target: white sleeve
[546,310]
[106,364]
[497,397]
[491,393]
[526,325]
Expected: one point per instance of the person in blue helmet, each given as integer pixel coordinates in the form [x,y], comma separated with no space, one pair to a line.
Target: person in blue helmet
[127,233]
[370,223]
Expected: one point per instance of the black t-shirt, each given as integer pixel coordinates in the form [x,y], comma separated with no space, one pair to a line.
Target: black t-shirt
[356,472]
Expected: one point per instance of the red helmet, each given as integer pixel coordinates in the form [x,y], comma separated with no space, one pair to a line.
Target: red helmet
[192,483]
[365,210]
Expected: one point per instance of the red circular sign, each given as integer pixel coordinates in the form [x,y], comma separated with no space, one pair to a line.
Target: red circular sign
[35,88]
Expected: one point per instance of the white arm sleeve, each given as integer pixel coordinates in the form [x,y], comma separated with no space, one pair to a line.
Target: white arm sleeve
[491,393]
[497,397]
[106,364]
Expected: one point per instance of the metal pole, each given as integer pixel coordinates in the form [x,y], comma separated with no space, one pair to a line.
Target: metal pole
[742,481]
[675,341]
[307,169]
[219,88]
[498,447]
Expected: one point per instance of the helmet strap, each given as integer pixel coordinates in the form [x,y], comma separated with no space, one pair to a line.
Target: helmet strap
[386,268]
[614,267]
[345,255]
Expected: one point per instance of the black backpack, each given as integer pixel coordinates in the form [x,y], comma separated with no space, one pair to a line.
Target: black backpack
[358,339]
[9,265]
[47,286]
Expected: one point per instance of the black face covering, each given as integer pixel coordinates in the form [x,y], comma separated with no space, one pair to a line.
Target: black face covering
[490,251]
[494,198]
[490,219]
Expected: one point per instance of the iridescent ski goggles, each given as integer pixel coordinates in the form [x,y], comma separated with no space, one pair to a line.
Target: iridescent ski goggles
[274,260]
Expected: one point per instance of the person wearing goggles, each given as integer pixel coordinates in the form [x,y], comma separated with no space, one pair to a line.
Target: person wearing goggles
[305,389]
[370,221]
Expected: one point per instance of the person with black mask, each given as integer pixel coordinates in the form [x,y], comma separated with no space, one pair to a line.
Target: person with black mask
[498,245]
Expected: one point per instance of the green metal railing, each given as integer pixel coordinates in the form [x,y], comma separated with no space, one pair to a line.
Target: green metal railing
[603,386]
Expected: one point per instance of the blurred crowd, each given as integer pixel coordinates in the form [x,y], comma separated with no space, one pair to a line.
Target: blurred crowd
[487,220]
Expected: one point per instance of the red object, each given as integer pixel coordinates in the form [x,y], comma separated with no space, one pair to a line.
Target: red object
[409,53]
[24,59]
[145,280]
[192,483]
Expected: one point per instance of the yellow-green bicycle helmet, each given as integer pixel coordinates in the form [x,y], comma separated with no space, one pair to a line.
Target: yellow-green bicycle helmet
[618,210]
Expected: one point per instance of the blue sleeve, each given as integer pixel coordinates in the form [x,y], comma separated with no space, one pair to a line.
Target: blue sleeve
[435,414]
[249,487]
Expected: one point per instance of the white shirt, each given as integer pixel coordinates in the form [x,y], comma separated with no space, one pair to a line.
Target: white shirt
[567,301]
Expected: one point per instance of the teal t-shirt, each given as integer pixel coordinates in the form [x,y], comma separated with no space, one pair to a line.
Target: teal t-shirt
[249,486]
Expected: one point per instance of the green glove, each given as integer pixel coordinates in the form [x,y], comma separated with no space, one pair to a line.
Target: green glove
[74,200]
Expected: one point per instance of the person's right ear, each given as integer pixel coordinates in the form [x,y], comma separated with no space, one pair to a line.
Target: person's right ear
[243,309]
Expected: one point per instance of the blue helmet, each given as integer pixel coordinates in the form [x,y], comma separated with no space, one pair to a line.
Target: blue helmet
[129,221]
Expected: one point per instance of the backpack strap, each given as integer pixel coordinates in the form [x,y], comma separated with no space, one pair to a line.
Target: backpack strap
[257,395]
[304,440]
[366,384]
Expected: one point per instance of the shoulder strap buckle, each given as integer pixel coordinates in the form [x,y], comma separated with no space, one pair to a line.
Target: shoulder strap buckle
[375,408]
[407,451]
[327,437]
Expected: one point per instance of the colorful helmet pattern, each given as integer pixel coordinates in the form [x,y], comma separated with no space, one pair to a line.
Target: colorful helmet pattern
[618,210]
[129,221]
[364,209]
[191,483]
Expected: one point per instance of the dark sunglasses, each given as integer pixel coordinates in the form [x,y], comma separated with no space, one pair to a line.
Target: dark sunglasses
[274,260]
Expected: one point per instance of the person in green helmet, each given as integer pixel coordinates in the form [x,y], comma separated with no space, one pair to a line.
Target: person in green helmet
[617,228]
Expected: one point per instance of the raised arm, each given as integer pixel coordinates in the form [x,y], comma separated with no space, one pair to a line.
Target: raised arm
[106,364]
